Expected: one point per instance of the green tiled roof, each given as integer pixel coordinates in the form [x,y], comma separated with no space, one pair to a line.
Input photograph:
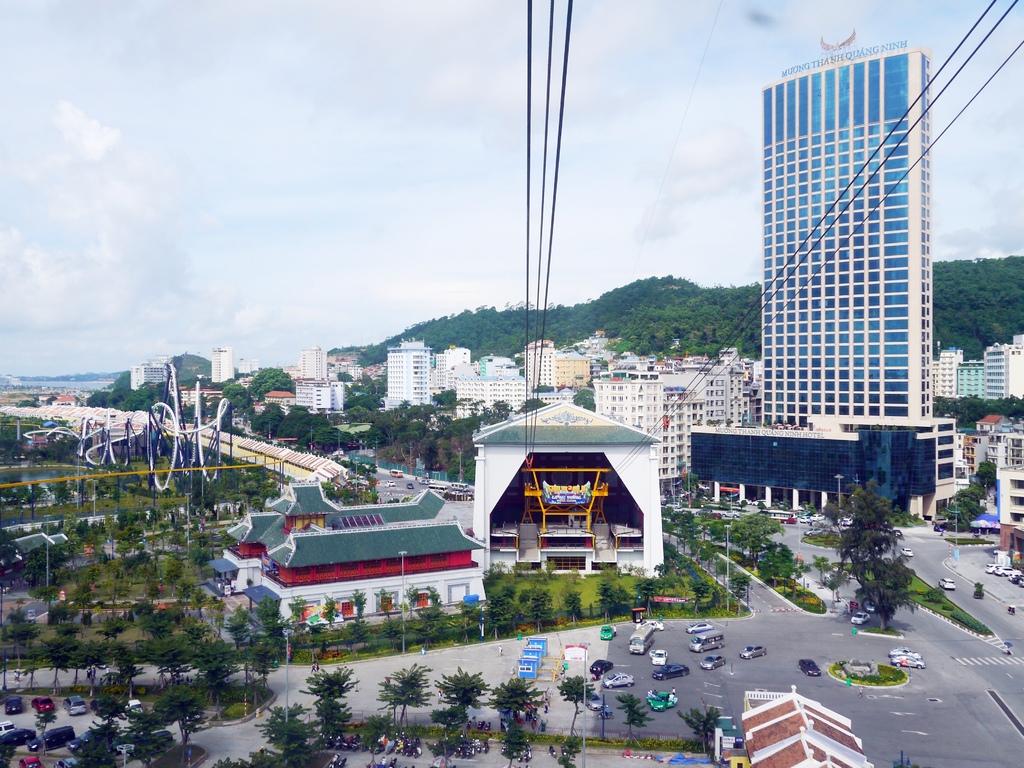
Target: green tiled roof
[425,507]
[309,500]
[562,424]
[255,525]
[352,546]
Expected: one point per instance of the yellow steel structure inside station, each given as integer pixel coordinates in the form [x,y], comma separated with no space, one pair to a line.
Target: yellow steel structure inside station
[565,505]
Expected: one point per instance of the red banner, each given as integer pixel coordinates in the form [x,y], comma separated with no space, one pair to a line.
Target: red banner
[664,599]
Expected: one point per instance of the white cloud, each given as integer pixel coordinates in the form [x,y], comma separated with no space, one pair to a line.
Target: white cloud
[90,138]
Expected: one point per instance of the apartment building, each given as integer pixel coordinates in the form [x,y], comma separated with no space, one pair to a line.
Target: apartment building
[1004,370]
[222,364]
[320,396]
[313,364]
[408,375]
[476,393]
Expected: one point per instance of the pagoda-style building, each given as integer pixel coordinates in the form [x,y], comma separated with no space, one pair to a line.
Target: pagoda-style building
[304,546]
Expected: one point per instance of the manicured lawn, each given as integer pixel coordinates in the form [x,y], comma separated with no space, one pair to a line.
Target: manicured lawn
[946,607]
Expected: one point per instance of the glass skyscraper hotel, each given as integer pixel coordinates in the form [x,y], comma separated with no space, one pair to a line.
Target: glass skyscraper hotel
[847,312]
[847,306]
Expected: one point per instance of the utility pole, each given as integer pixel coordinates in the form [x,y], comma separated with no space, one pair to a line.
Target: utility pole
[402,598]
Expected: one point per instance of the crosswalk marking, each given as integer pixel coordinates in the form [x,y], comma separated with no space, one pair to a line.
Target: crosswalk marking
[971,661]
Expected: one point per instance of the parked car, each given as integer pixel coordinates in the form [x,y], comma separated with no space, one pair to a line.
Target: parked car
[914,661]
[619,680]
[1005,570]
[991,568]
[860,617]
[594,703]
[658,626]
[907,552]
[947,584]
[870,607]
[659,658]
[13,705]
[75,705]
[66,762]
[43,704]
[700,626]
[19,737]
[809,668]
[76,744]
[712,662]
[601,667]
[55,738]
[753,651]
[608,632]
[6,726]
[670,671]
[30,762]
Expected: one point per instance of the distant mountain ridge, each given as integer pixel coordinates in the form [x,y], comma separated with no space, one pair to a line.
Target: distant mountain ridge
[976,304]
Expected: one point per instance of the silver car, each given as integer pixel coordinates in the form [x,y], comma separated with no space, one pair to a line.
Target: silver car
[753,651]
[75,705]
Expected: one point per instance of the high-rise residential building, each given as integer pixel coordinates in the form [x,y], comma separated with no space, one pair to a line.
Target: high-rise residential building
[846,314]
[1004,369]
[222,363]
[408,375]
[151,372]
[970,378]
[453,362]
[248,366]
[945,377]
[540,364]
[313,364]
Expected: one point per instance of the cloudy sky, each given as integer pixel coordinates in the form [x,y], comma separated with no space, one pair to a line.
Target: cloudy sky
[176,175]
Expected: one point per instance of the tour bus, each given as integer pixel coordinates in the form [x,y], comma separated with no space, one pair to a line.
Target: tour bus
[460,487]
[641,639]
[397,473]
[437,485]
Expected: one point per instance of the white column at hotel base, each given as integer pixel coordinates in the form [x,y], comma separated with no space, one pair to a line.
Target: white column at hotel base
[718,491]
[767,495]
[743,492]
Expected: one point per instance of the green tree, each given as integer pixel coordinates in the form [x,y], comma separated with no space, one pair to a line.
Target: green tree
[269,615]
[268,380]
[585,399]
[406,688]
[570,748]
[611,594]
[646,588]
[452,720]
[216,662]
[634,711]
[183,705]
[986,473]
[294,738]
[143,725]
[462,690]
[702,723]
[515,744]
[701,591]
[516,695]
[43,721]
[239,625]
[753,533]
[575,690]
[822,565]
[331,689]
[739,583]
[538,605]
[572,602]
[870,549]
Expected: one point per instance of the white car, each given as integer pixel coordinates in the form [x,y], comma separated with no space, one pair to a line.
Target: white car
[915,661]
[947,584]
[860,618]
[659,658]
[1005,570]
[907,552]
[902,651]
[658,626]
[991,568]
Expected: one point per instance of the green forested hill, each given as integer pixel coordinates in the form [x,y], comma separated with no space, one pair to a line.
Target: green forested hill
[647,315]
[977,303]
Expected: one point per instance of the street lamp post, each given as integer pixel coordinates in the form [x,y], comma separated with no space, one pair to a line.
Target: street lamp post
[728,561]
[402,598]
[586,658]
[287,659]
[839,489]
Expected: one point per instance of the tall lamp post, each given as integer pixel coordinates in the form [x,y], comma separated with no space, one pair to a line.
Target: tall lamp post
[402,598]
[586,658]
[839,489]
[287,632]
[728,561]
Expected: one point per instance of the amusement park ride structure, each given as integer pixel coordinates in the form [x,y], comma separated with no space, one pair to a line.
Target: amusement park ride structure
[187,445]
[567,506]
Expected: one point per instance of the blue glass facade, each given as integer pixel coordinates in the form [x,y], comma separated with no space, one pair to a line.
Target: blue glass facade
[847,275]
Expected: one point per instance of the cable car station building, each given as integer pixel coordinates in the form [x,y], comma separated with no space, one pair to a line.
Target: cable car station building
[586,498]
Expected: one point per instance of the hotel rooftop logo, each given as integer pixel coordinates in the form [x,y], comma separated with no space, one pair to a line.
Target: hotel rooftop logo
[839,46]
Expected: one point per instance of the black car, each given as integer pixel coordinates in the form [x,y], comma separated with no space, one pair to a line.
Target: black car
[19,737]
[13,705]
[600,667]
[670,670]
[809,668]
[76,744]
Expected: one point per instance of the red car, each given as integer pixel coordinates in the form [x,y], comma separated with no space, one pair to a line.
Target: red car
[43,704]
[30,762]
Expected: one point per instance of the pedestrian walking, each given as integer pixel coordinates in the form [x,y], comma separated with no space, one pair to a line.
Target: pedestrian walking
[500,651]
[860,693]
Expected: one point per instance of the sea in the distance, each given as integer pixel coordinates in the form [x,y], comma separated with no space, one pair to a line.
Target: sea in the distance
[70,385]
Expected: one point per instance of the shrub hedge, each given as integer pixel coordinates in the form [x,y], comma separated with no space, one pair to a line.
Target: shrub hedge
[970,622]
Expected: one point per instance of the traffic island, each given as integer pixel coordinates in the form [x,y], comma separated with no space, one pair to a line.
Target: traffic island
[868,674]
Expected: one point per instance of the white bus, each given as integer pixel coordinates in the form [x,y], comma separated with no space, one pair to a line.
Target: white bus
[641,639]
